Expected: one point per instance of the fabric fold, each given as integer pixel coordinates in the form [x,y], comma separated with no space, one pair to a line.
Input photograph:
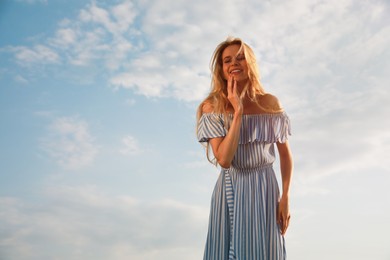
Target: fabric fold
[268,128]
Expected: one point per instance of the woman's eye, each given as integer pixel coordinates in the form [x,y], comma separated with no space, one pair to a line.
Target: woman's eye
[240,57]
[227,60]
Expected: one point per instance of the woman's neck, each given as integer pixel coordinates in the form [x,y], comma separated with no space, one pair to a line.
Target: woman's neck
[241,85]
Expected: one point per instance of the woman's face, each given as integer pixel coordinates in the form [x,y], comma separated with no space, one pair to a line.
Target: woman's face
[234,63]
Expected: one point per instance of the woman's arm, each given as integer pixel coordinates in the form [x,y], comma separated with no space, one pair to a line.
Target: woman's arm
[224,148]
[286,168]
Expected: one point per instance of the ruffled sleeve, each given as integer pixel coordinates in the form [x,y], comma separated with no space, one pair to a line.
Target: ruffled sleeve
[269,128]
[210,126]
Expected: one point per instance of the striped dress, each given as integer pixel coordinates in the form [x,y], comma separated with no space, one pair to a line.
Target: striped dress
[242,224]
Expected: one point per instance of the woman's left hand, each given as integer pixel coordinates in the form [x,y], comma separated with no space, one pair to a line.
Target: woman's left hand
[283,214]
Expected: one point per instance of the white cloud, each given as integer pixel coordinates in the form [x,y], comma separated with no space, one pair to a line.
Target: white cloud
[150,87]
[166,53]
[96,35]
[89,48]
[124,14]
[116,20]
[69,143]
[65,37]
[85,223]
[102,35]
[21,79]
[326,60]
[37,54]
[131,146]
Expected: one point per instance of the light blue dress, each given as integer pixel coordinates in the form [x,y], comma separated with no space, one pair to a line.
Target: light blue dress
[242,224]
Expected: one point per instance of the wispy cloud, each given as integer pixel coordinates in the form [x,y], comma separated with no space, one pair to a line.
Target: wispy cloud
[70,143]
[116,20]
[20,79]
[325,60]
[110,36]
[316,43]
[97,34]
[87,220]
[130,146]
[38,54]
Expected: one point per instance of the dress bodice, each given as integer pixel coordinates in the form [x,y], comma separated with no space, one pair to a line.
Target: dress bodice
[258,134]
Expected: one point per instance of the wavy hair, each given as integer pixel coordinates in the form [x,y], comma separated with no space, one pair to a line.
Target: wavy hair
[218,94]
[217,97]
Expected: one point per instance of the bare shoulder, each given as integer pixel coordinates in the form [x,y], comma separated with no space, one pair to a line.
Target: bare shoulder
[207,107]
[270,102]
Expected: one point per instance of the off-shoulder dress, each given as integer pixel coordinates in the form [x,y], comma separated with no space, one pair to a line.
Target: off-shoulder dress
[242,222]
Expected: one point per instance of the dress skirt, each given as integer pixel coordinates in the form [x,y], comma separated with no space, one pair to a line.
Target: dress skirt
[243,224]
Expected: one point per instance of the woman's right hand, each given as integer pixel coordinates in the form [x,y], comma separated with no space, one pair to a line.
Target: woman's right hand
[233,97]
[224,148]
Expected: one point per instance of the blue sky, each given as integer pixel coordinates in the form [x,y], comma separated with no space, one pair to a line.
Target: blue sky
[99,158]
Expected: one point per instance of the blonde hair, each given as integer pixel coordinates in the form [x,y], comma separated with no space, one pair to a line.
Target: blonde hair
[217,97]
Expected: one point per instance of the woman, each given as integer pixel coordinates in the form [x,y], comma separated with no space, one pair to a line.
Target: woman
[241,123]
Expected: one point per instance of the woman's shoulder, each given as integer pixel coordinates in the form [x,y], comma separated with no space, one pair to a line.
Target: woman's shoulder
[207,107]
[270,103]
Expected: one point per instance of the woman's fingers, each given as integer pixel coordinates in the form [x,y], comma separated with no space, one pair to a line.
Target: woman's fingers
[233,97]
[234,83]
[284,223]
[283,220]
[230,86]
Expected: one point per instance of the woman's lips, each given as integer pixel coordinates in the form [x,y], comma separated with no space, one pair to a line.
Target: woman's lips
[235,71]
